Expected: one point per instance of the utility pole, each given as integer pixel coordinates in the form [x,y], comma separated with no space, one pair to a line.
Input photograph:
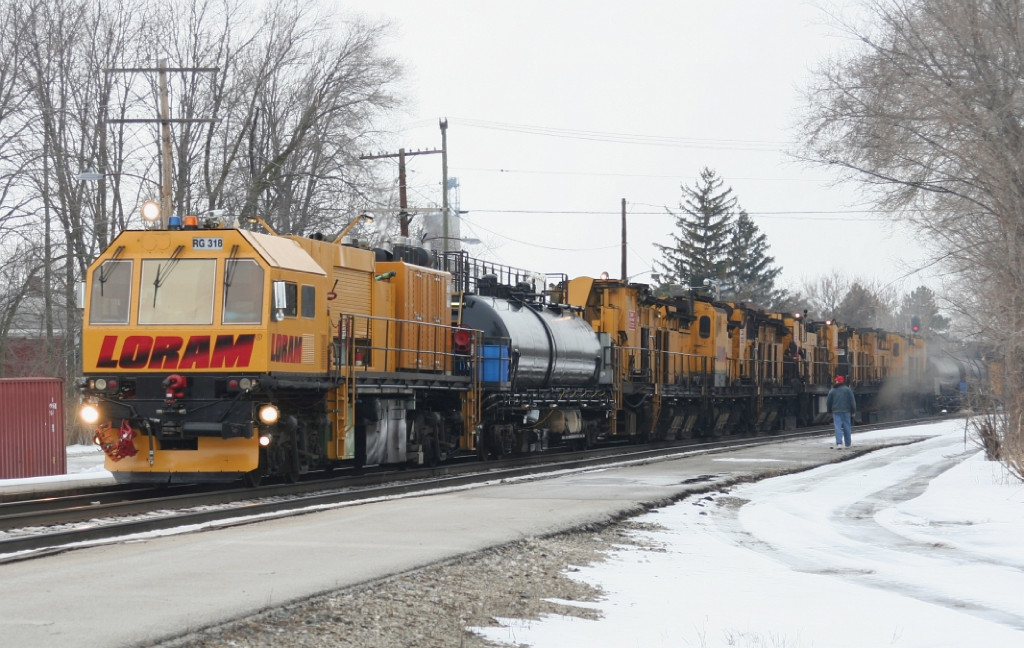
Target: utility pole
[443,123]
[403,202]
[625,276]
[165,128]
[165,137]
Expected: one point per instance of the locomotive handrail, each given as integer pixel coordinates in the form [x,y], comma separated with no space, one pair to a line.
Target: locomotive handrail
[429,348]
[694,364]
[756,371]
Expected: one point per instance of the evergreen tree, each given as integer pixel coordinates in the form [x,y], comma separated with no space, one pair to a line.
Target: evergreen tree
[921,304]
[751,273]
[714,243]
[787,302]
[861,307]
[699,250]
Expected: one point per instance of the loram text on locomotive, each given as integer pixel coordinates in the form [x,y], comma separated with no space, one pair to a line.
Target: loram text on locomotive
[173,352]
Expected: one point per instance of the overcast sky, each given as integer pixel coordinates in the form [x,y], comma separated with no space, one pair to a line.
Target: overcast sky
[559,110]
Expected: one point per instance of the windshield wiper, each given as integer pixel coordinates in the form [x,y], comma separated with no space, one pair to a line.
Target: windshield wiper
[173,261]
[109,266]
[229,270]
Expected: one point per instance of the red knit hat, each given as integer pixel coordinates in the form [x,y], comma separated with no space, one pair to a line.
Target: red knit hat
[839,380]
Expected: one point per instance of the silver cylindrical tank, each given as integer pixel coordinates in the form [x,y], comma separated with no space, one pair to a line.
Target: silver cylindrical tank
[550,346]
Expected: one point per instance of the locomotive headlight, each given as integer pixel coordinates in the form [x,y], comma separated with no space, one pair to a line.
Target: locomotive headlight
[151,211]
[89,413]
[100,384]
[265,440]
[269,414]
[245,384]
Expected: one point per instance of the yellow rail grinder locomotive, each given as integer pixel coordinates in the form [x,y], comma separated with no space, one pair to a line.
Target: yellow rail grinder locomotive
[213,353]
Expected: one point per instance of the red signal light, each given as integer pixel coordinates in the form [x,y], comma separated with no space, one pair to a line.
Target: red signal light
[461,340]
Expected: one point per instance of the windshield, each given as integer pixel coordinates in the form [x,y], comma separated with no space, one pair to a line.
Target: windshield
[177,291]
[111,293]
[243,292]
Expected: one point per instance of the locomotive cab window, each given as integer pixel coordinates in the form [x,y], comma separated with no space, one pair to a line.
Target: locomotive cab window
[177,291]
[243,292]
[308,301]
[111,293]
[896,350]
[286,300]
[705,326]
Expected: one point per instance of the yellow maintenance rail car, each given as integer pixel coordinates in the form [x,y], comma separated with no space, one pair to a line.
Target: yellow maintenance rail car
[214,353]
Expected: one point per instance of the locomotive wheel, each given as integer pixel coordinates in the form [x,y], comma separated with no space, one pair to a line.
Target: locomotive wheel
[290,468]
[481,448]
[640,437]
[431,449]
[428,432]
[489,446]
[254,478]
[283,461]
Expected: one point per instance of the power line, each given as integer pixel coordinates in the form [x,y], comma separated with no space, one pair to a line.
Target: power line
[673,176]
[626,138]
[799,215]
[474,225]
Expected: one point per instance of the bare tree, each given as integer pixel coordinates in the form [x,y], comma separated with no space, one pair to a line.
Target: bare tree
[296,97]
[927,113]
[14,174]
[297,94]
[824,294]
[65,45]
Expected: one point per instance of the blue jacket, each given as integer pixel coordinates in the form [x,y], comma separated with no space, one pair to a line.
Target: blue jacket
[841,399]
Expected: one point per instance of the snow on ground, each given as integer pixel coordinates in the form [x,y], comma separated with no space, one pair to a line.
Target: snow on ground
[908,546]
[85,462]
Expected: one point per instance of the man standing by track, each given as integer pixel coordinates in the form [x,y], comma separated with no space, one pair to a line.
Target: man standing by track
[843,405]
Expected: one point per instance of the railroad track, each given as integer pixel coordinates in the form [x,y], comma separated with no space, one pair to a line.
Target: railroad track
[45,526]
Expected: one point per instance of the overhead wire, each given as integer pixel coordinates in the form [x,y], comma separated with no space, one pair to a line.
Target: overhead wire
[624,138]
[660,140]
[506,237]
[831,215]
[798,215]
[666,176]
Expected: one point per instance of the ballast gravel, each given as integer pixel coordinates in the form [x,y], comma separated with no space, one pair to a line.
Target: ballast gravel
[437,606]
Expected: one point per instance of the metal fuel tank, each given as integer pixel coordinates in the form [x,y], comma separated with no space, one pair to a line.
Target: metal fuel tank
[550,345]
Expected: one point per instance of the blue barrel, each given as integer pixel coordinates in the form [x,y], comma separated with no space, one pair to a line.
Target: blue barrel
[493,363]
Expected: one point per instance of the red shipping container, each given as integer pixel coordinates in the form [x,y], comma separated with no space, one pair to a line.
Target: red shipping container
[32,428]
